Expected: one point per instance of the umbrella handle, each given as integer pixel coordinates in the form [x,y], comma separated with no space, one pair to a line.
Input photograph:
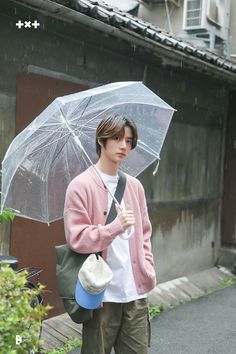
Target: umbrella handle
[129,234]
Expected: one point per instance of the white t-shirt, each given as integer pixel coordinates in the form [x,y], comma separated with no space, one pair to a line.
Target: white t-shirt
[122,287]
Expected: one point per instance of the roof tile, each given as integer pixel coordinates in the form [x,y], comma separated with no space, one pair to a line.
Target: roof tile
[105,13]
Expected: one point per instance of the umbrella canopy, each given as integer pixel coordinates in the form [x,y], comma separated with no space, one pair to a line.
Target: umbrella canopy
[43,159]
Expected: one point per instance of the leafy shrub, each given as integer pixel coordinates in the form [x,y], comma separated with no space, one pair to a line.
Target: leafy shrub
[6,215]
[154,310]
[20,323]
[71,343]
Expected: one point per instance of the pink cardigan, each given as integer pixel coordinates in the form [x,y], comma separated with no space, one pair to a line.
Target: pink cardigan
[85,214]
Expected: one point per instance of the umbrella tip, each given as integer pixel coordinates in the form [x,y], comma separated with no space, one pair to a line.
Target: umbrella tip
[156,168]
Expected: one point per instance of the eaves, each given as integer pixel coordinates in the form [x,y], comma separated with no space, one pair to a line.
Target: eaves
[101,17]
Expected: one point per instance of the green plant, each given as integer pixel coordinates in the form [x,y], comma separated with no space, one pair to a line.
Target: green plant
[70,344]
[154,310]
[20,323]
[6,215]
[227,282]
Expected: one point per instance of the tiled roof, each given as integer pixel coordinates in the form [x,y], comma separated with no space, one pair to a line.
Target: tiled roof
[99,10]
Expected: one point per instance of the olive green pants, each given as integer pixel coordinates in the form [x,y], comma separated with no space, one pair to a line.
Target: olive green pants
[124,327]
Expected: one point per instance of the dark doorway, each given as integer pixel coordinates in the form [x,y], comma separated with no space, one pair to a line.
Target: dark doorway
[33,243]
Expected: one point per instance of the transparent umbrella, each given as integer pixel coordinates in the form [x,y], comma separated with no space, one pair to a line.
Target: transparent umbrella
[60,143]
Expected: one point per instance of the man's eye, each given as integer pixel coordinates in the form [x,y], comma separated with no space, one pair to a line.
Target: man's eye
[129,141]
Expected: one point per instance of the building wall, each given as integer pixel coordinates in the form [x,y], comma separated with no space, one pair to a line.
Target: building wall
[184,198]
[7,129]
[156,13]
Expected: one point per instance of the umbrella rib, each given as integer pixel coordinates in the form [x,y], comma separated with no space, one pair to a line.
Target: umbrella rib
[61,148]
[72,112]
[142,145]
[53,142]
[91,119]
[75,109]
[58,151]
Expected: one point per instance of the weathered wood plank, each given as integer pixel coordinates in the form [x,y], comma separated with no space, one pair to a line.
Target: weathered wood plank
[58,335]
[65,328]
[56,331]
[50,341]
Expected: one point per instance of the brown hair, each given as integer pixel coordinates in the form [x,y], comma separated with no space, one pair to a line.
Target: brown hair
[112,126]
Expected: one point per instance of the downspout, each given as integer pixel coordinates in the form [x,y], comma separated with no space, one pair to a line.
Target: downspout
[168,16]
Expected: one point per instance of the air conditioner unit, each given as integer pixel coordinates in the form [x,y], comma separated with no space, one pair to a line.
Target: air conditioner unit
[207,16]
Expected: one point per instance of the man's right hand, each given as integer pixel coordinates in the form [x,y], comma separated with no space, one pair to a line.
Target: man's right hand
[126,217]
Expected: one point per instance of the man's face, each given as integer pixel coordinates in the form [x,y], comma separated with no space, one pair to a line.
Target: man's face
[118,148]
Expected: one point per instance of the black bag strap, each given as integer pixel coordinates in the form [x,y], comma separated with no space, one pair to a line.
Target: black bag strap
[118,195]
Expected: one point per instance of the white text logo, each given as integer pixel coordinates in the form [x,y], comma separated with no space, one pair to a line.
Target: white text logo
[27,24]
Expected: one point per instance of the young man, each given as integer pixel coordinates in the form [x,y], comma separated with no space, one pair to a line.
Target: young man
[122,320]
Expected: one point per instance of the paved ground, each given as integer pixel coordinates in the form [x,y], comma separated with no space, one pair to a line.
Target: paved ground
[203,326]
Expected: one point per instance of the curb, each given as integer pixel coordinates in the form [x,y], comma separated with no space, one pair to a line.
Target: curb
[183,289]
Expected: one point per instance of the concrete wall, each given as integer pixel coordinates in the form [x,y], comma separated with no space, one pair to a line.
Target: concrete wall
[185,197]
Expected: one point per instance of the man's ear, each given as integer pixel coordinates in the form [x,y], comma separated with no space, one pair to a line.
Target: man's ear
[99,142]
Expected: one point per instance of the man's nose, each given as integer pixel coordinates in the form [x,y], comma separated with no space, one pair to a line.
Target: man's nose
[122,144]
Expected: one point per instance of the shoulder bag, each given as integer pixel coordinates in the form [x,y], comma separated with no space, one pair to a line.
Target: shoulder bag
[68,264]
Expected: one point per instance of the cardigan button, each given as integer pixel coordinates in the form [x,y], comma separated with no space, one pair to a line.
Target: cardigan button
[104,213]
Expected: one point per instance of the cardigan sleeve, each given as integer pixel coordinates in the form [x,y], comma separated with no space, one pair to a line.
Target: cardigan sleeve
[81,234]
[147,233]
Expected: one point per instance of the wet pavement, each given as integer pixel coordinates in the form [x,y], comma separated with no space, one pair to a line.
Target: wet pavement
[199,317]
[203,326]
